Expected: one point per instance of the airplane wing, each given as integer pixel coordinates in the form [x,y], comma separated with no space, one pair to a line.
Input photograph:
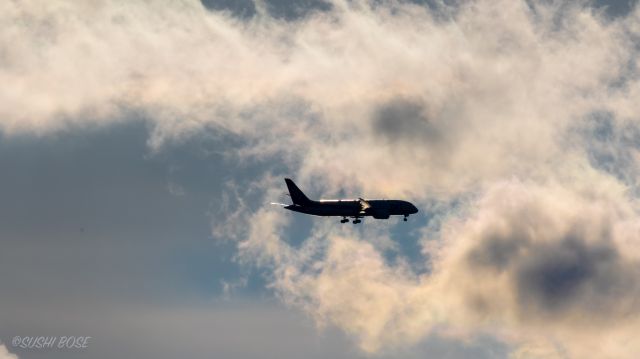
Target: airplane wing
[364,205]
[280,204]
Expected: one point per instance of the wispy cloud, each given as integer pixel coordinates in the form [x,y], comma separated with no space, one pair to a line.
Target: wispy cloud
[4,353]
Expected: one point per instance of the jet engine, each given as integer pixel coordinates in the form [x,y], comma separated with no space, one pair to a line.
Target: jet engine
[380,213]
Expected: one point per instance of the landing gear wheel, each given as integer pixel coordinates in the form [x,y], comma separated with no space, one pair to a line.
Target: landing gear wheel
[344,220]
[405,218]
[356,221]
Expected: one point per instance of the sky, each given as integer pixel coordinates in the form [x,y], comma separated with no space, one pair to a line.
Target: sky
[141,143]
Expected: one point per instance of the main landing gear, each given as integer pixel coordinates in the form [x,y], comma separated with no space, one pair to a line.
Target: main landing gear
[356,220]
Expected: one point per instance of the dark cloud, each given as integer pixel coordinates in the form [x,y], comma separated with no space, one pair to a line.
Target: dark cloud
[293,9]
[190,329]
[91,223]
[556,277]
[285,9]
[405,120]
[239,8]
[497,252]
[296,9]
[616,8]
[555,273]
[610,8]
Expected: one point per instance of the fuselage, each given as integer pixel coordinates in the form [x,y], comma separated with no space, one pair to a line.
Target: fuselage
[377,208]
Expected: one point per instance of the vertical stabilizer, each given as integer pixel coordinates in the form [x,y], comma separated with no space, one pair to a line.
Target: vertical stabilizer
[296,194]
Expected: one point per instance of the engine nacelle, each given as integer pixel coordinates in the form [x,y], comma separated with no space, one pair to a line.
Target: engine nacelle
[380,213]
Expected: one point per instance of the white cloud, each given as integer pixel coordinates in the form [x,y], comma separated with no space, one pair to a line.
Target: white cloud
[4,353]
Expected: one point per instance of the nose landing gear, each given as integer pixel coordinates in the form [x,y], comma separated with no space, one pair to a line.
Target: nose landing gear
[405,217]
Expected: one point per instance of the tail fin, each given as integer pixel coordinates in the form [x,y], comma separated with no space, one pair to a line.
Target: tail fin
[296,194]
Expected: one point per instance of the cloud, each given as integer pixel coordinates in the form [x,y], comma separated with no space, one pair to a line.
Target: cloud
[4,353]
[532,264]
[484,108]
[402,120]
[545,260]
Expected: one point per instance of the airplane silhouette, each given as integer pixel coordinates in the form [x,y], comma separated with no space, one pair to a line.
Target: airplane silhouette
[352,208]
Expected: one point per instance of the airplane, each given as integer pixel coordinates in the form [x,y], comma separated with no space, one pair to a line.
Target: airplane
[352,208]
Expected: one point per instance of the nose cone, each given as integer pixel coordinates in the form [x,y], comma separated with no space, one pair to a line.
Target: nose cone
[410,208]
